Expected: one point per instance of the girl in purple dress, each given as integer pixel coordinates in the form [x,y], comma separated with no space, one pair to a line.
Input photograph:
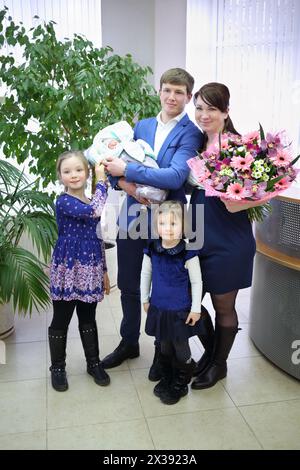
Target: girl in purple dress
[78,276]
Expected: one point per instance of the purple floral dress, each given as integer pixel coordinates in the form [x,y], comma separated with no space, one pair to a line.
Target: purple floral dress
[78,260]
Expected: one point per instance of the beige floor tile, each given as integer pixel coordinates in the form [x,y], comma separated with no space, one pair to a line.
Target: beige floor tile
[117,316]
[215,429]
[105,321]
[243,303]
[87,403]
[24,361]
[196,400]
[23,406]
[243,346]
[113,299]
[276,425]
[256,380]
[117,435]
[24,441]
[147,349]
[29,329]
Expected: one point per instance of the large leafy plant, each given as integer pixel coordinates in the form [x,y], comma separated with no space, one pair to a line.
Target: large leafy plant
[24,209]
[69,89]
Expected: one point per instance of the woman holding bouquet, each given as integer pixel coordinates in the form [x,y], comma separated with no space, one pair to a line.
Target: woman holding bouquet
[227,254]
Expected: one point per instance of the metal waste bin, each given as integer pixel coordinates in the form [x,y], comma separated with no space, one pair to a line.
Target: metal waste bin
[275,293]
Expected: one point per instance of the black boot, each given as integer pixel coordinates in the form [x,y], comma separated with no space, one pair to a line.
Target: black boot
[166,375]
[207,340]
[89,339]
[155,372]
[217,370]
[178,388]
[57,345]
[120,354]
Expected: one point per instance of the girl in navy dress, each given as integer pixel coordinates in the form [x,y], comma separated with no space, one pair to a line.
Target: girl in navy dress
[174,306]
[78,276]
[229,247]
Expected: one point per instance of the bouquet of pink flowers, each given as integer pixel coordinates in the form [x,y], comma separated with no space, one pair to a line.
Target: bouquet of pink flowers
[253,167]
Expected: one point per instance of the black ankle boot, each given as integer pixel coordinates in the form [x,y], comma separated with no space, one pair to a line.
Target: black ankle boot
[217,370]
[155,372]
[120,354]
[57,345]
[178,388]
[89,339]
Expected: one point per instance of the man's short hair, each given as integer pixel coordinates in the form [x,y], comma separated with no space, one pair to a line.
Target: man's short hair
[178,76]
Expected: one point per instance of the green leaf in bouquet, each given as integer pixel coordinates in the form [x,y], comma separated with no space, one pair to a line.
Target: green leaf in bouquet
[295,160]
[257,214]
[271,183]
[261,132]
[210,168]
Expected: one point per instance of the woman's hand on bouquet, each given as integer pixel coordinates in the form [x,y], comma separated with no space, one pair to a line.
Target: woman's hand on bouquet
[237,206]
[192,318]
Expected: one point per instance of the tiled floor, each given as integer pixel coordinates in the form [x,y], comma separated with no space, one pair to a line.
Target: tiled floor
[256,407]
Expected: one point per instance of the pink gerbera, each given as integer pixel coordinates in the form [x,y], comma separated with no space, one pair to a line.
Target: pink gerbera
[281,158]
[250,137]
[284,183]
[242,163]
[236,191]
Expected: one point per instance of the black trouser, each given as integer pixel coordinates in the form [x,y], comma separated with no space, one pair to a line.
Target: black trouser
[63,312]
[130,259]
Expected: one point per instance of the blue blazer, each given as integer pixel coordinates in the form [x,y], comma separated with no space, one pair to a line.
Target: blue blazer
[181,144]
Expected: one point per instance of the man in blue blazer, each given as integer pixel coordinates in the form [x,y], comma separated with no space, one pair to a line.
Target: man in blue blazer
[174,139]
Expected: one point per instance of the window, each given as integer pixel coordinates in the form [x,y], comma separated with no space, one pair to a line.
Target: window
[253,47]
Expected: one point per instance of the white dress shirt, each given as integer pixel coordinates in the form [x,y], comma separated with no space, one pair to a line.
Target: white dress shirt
[163,129]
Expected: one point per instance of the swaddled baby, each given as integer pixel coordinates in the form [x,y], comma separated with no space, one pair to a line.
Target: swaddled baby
[117,140]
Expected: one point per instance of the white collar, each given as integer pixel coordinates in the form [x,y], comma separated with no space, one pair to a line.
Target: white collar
[176,118]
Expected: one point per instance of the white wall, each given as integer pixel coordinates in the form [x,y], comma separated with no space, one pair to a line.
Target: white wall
[152,31]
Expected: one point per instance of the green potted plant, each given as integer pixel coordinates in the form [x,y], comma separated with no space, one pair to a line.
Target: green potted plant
[24,210]
[61,93]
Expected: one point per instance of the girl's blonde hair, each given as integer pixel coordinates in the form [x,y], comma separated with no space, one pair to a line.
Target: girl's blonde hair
[69,154]
[175,208]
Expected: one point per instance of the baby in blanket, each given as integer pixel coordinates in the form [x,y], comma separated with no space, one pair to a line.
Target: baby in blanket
[117,140]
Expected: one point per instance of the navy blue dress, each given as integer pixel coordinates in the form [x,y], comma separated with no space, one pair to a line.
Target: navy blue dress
[171,300]
[226,257]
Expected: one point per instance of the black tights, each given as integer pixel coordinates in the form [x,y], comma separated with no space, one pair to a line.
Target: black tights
[179,350]
[224,305]
[63,312]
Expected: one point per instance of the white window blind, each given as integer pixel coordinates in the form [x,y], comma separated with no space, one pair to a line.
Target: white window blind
[71,16]
[253,46]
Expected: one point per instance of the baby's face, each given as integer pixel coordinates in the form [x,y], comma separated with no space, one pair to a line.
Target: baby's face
[112,143]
